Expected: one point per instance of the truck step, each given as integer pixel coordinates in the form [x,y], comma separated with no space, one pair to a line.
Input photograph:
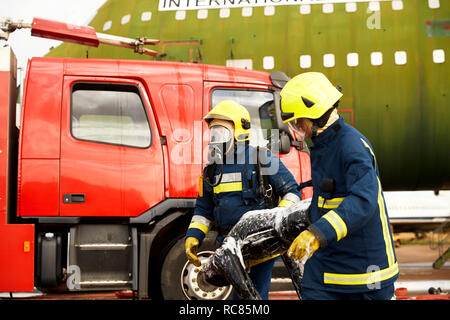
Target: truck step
[104,283]
[103,246]
[104,256]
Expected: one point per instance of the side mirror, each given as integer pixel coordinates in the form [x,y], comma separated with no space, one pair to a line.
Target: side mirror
[283,127]
[285,138]
[279,79]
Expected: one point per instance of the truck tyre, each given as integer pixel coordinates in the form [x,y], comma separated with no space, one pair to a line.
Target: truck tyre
[176,272]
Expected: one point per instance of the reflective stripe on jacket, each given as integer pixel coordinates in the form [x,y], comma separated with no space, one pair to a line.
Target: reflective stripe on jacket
[351,221]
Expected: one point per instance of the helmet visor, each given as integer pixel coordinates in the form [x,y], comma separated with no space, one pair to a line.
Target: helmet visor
[219,134]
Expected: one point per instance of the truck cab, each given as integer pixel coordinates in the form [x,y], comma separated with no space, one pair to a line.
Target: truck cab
[109,155]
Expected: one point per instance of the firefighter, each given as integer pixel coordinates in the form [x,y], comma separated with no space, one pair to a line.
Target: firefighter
[349,242]
[234,182]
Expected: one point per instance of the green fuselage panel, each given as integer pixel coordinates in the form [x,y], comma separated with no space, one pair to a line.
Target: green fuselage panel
[403,109]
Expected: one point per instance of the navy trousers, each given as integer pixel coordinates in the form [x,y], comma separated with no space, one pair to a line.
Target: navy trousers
[386,293]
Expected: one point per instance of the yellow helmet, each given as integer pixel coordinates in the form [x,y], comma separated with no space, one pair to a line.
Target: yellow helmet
[232,111]
[308,95]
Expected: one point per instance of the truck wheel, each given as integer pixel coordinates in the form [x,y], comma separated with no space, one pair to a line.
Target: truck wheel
[179,276]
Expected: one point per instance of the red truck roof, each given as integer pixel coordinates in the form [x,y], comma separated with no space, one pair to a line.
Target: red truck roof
[136,68]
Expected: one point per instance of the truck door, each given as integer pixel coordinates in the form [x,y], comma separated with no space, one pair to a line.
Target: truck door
[111,156]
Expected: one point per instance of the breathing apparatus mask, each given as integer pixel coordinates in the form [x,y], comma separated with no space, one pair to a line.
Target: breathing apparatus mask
[317,125]
[221,142]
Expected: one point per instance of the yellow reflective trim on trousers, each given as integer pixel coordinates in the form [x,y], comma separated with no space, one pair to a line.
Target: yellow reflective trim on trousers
[383,216]
[337,223]
[228,187]
[285,203]
[361,278]
[329,203]
[199,226]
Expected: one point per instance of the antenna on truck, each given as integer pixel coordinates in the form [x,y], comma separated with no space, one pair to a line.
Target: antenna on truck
[84,35]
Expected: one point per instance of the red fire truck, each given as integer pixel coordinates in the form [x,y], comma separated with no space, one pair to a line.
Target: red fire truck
[99,176]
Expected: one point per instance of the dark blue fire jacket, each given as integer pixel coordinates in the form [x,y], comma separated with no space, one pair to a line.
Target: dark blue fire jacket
[236,194]
[348,216]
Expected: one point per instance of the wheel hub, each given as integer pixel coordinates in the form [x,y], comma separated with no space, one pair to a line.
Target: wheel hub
[195,287]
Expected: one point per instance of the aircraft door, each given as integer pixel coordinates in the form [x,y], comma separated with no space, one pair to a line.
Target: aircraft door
[181,51]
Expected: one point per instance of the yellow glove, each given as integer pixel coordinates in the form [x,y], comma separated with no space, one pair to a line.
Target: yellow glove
[303,246]
[191,245]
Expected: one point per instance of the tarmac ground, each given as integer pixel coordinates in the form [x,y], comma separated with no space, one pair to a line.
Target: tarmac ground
[415,259]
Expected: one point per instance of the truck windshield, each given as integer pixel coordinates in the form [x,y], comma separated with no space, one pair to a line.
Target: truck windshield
[260,105]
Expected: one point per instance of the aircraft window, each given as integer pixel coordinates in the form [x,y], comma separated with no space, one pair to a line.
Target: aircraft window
[352,59]
[438,56]
[109,113]
[260,105]
[350,6]
[305,9]
[327,8]
[180,15]
[376,58]
[328,60]
[268,62]
[224,13]
[269,11]
[397,5]
[146,16]
[107,25]
[374,6]
[125,19]
[202,14]
[433,4]
[247,11]
[240,63]
[305,61]
[400,57]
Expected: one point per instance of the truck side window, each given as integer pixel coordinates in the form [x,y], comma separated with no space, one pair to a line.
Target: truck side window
[109,113]
[261,107]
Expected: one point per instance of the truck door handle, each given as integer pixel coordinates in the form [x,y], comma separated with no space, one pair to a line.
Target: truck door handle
[74,198]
